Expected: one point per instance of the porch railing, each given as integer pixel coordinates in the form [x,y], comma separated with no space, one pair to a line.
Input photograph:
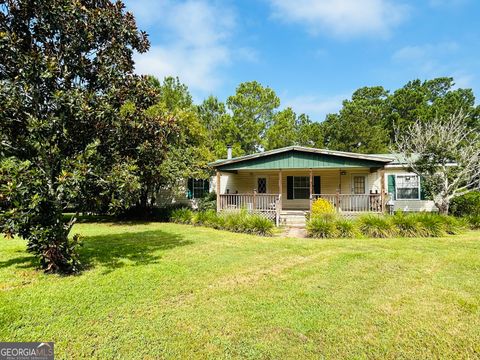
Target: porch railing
[354,202]
[266,204]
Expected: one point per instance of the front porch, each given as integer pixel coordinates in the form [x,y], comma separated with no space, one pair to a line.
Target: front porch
[275,193]
[292,178]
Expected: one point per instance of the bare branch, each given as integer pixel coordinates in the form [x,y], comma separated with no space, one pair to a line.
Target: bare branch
[445,152]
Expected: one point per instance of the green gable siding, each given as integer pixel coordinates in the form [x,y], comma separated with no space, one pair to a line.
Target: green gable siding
[299,160]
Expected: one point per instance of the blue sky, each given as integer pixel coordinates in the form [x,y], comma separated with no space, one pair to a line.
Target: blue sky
[313,53]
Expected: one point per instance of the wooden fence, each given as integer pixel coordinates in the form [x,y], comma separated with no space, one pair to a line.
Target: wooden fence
[267,205]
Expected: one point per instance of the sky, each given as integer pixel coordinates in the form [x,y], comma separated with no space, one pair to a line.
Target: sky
[312,53]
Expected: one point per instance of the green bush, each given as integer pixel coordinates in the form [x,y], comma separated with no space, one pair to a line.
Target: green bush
[433,224]
[208,203]
[182,216]
[150,213]
[259,225]
[465,205]
[452,225]
[376,226]
[346,228]
[473,221]
[322,226]
[238,221]
[408,225]
[205,218]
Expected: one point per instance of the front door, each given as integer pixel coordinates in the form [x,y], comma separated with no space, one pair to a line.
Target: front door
[359,187]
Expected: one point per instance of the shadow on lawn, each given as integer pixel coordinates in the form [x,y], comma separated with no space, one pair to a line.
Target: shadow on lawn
[24,262]
[128,249]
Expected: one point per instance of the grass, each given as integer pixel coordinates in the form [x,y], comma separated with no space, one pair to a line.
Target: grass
[172,291]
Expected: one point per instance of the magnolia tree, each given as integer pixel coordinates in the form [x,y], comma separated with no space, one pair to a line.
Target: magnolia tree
[66,70]
[445,153]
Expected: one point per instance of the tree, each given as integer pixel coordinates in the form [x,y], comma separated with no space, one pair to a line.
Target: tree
[283,130]
[188,152]
[252,109]
[360,126]
[287,129]
[427,100]
[445,153]
[220,127]
[65,70]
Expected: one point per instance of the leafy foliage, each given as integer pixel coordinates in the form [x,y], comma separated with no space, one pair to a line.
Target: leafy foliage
[445,153]
[66,70]
[408,225]
[321,206]
[376,226]
[467,204]
[237,221]
[322,226]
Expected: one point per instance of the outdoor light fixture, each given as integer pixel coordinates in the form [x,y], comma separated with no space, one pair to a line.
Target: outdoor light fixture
[343,172]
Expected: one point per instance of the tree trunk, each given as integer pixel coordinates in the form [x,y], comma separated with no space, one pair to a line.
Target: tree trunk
[443,207]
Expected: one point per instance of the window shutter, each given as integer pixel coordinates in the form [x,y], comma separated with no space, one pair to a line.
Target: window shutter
[423,193]
[391,186]
[289,187]
[190,188]
[316,185]
[206,186]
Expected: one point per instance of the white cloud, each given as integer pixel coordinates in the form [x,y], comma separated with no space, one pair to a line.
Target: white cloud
[344,18]
[191,41]
[435,60]
[317,107]
[427,58]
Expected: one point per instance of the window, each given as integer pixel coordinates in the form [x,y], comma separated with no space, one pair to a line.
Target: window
[408,187]
[262,185]
[301,187]
[199,188]
[359,184]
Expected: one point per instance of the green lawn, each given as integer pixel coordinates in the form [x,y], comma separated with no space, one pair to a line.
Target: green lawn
[175,291]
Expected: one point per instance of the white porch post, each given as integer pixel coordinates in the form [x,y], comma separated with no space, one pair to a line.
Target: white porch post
[218,190]
[280,191]
[311,189]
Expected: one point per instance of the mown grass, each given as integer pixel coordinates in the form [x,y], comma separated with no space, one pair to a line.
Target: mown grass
[177,291]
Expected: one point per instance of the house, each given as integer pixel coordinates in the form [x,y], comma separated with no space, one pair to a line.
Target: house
[286,181]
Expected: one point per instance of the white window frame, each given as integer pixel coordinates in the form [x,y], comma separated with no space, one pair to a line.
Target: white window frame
[352,183]
[295,187]
[419,186]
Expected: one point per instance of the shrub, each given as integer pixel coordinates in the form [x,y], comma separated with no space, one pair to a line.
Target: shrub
[452,225]
[235,221]
[468,204]
[346,228]
[432,224]
[259,225]
[408,225]
[206,218]
[473,221]
[322,227]
[376,226]
[182,216]
[208,203]
[321,206]
[244,222]
[150,213]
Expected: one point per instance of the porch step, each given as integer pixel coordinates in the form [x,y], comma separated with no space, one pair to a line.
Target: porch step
[293,218]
